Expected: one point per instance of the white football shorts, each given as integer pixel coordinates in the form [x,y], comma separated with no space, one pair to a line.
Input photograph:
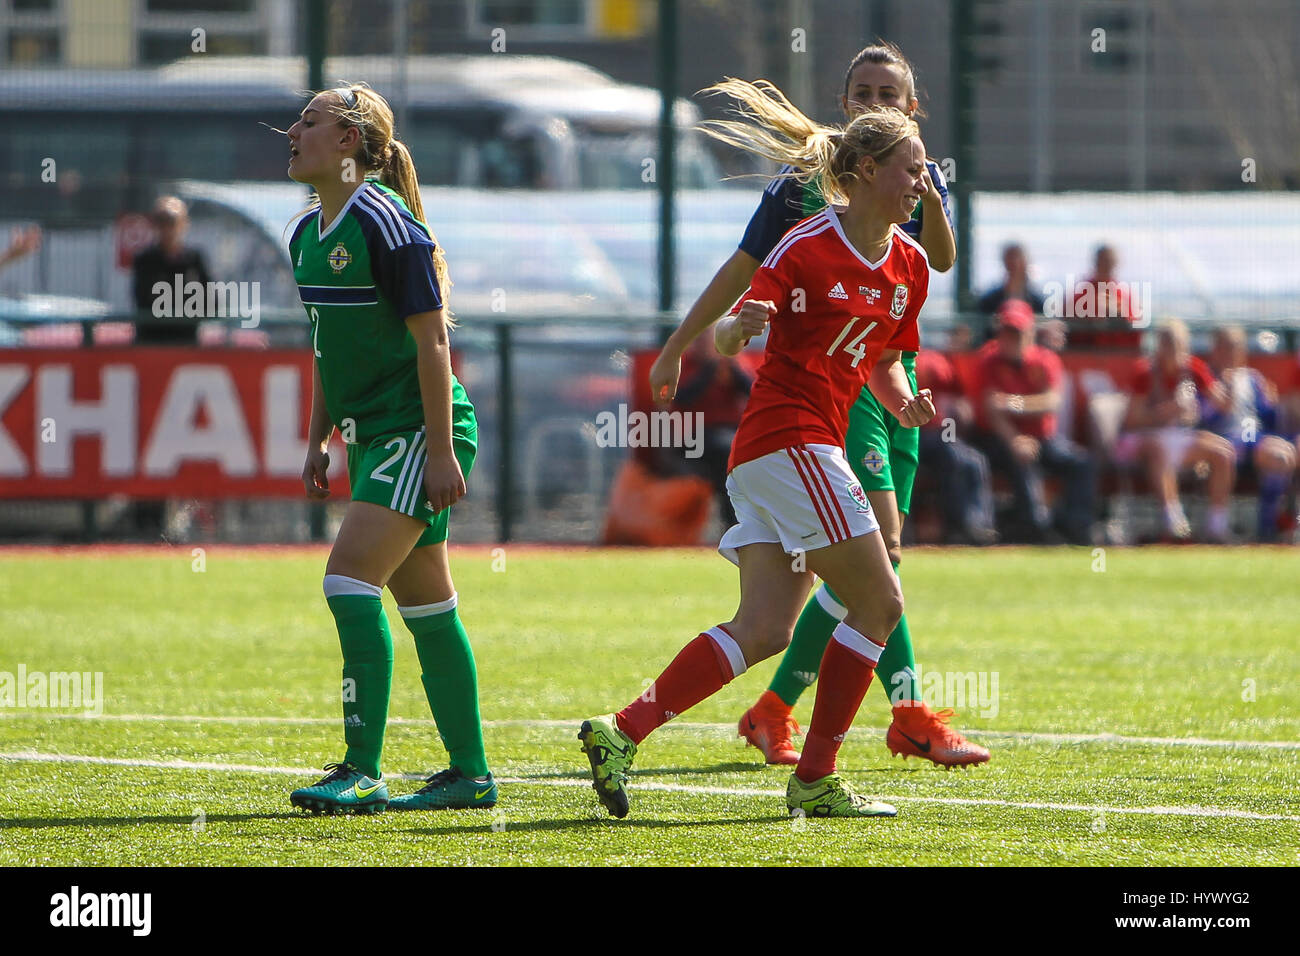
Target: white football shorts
[803,498]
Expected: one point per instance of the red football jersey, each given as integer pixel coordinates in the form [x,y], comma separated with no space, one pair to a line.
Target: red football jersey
[835,313]
[1040,370]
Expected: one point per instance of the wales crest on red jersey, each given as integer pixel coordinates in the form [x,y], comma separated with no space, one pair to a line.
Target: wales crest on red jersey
[899,305]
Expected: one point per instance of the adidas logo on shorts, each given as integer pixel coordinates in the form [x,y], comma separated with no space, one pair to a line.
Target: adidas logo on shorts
[837,292]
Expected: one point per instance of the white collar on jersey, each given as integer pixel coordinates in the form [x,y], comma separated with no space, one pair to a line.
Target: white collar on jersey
[833,213]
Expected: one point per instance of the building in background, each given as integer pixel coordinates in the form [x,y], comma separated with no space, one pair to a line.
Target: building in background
[1069,94]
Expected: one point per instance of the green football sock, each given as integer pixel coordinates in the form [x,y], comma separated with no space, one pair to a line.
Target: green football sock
[367,667]
[895,673]
[803,658]
[450,682]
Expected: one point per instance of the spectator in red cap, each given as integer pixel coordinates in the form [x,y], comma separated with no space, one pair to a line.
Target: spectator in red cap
[1017,395]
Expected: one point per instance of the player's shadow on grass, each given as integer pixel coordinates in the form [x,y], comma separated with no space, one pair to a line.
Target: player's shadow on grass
[586,823]
[185,820]
[580,772]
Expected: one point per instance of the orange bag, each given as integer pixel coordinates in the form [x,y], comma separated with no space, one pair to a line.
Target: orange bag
[660,512]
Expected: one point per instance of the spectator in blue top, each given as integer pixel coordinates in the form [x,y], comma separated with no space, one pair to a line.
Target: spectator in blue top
[1250,423]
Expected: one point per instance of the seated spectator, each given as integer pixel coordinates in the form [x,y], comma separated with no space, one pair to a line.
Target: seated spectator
[1101,301]
[1250,423]
[1015,284]
[1017,392]
[1052,335]
[965,488]
[162,262]
[1160,431]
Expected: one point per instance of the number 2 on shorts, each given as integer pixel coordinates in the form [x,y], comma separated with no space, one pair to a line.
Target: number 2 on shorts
[378,473]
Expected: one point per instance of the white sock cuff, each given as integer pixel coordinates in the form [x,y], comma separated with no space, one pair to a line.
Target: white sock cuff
[730,648]
[858,642]
[340,584]
[831,606]
[428,610]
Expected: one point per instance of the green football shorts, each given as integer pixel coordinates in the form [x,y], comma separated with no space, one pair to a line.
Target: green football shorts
[389,471]
[882,453]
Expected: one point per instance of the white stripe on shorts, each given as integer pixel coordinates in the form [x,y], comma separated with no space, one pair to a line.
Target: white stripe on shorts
[404,476]
[416,483]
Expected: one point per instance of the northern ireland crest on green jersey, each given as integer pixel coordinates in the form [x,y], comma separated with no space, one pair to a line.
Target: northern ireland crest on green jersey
[339,257]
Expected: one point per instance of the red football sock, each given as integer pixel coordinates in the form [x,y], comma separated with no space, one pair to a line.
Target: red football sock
[845,675]
[698,671]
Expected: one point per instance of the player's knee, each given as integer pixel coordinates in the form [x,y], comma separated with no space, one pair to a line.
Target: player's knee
[759,637]
[768,640]
[883,615]
[892,611]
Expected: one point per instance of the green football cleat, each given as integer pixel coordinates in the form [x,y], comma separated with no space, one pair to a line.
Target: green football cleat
[831,797]
[449,790]
[610,752]
[345,790]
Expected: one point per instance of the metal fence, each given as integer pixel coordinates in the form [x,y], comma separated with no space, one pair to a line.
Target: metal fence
[538,388]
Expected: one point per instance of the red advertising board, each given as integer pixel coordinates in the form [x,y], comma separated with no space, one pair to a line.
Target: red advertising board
[83,423]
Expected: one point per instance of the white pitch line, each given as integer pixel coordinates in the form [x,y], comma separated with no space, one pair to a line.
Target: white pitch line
[1014,735]
[32,756]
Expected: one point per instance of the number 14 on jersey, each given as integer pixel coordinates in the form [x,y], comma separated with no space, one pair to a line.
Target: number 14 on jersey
[855,347]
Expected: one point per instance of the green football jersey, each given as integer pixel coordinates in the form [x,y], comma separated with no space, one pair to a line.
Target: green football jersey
[359,278]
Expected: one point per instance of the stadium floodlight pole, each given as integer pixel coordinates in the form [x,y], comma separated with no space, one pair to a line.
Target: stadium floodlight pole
[1041,97]
[1138,128]
[666,174]
[401,43]
[961,40]
[317,40]
[317,43]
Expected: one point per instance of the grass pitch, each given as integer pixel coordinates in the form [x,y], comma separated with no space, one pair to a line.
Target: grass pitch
[1145,713]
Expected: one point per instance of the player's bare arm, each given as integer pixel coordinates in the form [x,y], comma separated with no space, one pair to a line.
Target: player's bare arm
[734,332]
[726,286]
[443,481]
[936,235]
[315,470]
[888,382]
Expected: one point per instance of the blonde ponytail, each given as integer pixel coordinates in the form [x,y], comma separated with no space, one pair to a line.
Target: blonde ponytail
[390,161]
[398,173]
[773,127]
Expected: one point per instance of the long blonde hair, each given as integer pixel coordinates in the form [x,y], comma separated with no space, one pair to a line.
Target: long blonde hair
[774,128]
[381,154]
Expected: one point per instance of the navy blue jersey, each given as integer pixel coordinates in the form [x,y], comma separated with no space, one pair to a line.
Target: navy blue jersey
[787,202]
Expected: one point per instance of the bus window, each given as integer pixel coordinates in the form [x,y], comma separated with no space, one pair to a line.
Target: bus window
[92,145]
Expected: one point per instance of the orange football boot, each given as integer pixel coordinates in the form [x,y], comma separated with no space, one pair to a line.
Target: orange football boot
[769,726]
[917,731]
